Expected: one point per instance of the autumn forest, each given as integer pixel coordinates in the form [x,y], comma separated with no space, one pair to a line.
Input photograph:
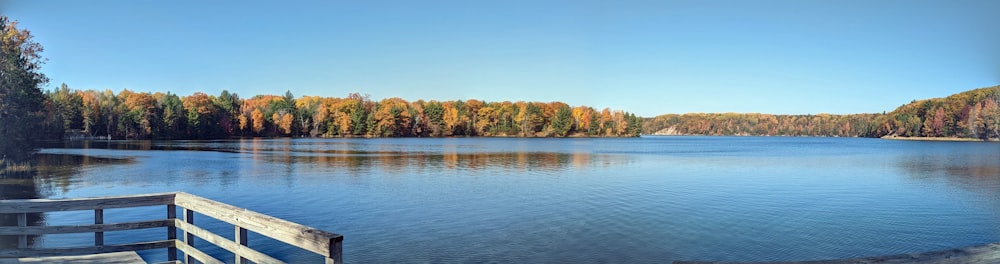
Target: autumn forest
[140,115]
[972,114]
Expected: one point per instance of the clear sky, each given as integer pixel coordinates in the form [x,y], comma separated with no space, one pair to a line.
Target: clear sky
[646,57]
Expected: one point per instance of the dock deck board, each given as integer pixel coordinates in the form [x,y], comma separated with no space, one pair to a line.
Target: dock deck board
[128,257]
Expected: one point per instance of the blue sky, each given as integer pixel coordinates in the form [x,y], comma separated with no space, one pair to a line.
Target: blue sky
[646,57]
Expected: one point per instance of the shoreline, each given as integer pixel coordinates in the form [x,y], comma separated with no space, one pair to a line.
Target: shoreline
[951,139]
[987,253]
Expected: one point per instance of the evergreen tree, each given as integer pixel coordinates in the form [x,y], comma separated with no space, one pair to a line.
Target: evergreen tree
[21,97]
[562,123]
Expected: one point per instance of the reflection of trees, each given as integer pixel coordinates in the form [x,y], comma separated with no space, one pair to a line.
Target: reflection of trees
[969,171]
[397,162]
[355,156]
[110,144]
[49,171]
[60,170]
[19,185]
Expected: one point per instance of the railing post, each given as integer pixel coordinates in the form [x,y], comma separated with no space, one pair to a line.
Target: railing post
[171,232]
[99,219]
[241,238]
[336,254]
[22,221]
[188,237]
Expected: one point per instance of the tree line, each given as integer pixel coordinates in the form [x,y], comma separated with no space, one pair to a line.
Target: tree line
[142,115]
[970,114]
[756,124]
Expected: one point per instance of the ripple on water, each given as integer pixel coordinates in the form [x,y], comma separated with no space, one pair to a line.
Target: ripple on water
[644,200]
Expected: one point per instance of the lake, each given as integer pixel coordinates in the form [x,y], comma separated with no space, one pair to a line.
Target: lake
[623,200]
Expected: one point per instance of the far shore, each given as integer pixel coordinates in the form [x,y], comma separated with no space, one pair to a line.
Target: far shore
[936,139]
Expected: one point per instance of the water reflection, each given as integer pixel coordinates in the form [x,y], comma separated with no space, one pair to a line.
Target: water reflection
[361,156]
[104,144]
[970,166]
[58,172]
[966,164]
[18,186]
[364,155]
[51,173]
[402,162]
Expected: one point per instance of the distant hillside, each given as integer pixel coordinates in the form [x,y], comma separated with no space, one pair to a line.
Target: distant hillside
[970,114]
[754,124]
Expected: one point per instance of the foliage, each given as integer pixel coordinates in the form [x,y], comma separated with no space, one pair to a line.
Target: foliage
[970,114]
[142,115]
[22,103]
[857,125]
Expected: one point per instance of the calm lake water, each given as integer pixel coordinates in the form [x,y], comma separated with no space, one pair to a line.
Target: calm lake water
[634,200]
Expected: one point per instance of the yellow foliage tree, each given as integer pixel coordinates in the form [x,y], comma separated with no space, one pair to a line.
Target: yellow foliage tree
[286,123]
[258,120]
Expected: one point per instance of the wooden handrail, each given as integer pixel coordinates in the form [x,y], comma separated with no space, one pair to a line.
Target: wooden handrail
[46,230]
[315,240]
[327,244]
[78,204]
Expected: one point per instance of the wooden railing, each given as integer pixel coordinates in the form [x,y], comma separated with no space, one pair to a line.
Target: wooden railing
[329,245]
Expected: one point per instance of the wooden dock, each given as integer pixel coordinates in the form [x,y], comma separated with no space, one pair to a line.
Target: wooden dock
[129,257]
[180,235]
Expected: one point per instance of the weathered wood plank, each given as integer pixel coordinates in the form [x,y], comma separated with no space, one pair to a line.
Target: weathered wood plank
[188,237]
[171,232]
[69,251]
[22,221]
[129,257]
[336,255]
[229,245]
[46,230]
[241,239]
[53,205]
[192,252]
[99,219]
[311,239]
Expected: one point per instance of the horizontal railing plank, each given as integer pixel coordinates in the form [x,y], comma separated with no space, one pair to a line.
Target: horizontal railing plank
[48,252]
[197,254]
[124,257]
[225,243]
[311,239]
[53,205]
[45,230]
